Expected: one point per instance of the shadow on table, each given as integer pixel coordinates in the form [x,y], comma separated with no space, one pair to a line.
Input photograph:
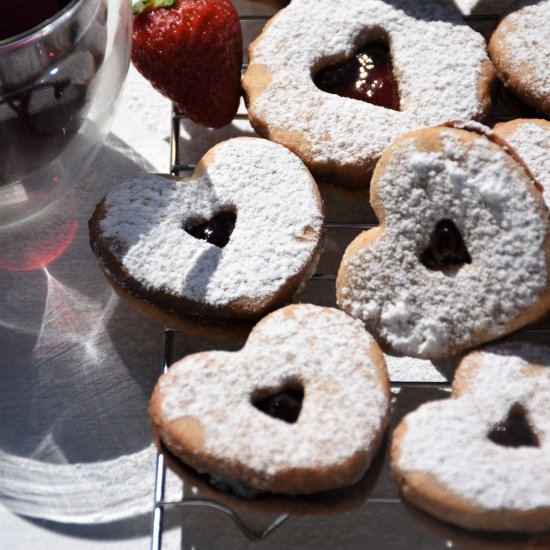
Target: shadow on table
[117,530]
[74,393]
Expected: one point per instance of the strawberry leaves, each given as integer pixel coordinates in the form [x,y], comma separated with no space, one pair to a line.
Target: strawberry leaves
[142,4]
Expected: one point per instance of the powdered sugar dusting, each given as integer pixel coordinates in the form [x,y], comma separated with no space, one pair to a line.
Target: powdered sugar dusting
[345,402]
[412,369]
[466,6]
[278,227]
[448,439]
[438,74]
[472,126]
[531,140]
[526,45]
[492,7]
[429,313]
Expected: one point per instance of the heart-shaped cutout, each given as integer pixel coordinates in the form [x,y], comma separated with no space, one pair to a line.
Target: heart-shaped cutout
[367,76]
[284,403]
[204,408]
[445,463]
[446,249]
[411,295]
[176,246]
[216,231]
[515,431]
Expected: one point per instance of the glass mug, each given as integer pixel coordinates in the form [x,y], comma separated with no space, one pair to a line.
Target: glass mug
[59,82]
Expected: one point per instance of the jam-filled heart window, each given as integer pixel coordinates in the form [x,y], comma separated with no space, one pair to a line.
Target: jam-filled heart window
[515,431]
[216,231]
[446,249]
[283,403]
[367,76]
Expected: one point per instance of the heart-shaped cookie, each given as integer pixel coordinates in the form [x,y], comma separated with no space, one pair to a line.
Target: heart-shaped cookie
[233,241]
[336,82]
[461,253]
[481,459]
[302,408]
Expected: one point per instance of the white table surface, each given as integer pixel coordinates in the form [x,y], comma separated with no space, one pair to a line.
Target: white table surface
[77,366]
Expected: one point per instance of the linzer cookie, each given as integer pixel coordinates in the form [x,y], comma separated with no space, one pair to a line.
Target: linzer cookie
[520,49]
[481,459]
[461,253]
[337,82]
[530,139]
[302,408]
[235,240]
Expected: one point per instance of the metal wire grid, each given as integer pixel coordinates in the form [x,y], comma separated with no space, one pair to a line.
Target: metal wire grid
[480,22]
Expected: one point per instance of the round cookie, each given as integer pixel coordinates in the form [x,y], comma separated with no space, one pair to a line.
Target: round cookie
[481,459]
[444,75]
[253,200]
[520,49]
[240,416]
[530,139]
[461,255]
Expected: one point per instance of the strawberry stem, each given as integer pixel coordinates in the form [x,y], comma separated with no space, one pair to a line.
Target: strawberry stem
[142,4]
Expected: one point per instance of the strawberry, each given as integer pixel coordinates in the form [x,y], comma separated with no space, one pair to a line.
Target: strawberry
[191,52]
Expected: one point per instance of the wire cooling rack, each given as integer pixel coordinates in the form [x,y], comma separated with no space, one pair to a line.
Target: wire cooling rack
[408,393]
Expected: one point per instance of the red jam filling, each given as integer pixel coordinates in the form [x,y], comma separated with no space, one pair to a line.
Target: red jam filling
[284,405]
[367,76]
[217,231]
[446,249]
[515,431]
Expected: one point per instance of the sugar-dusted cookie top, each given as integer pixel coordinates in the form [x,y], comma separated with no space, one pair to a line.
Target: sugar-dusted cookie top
[238,237]
[520,49]
[461,253]
[530,138]
[439,63]
[482,458]
[301,408]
